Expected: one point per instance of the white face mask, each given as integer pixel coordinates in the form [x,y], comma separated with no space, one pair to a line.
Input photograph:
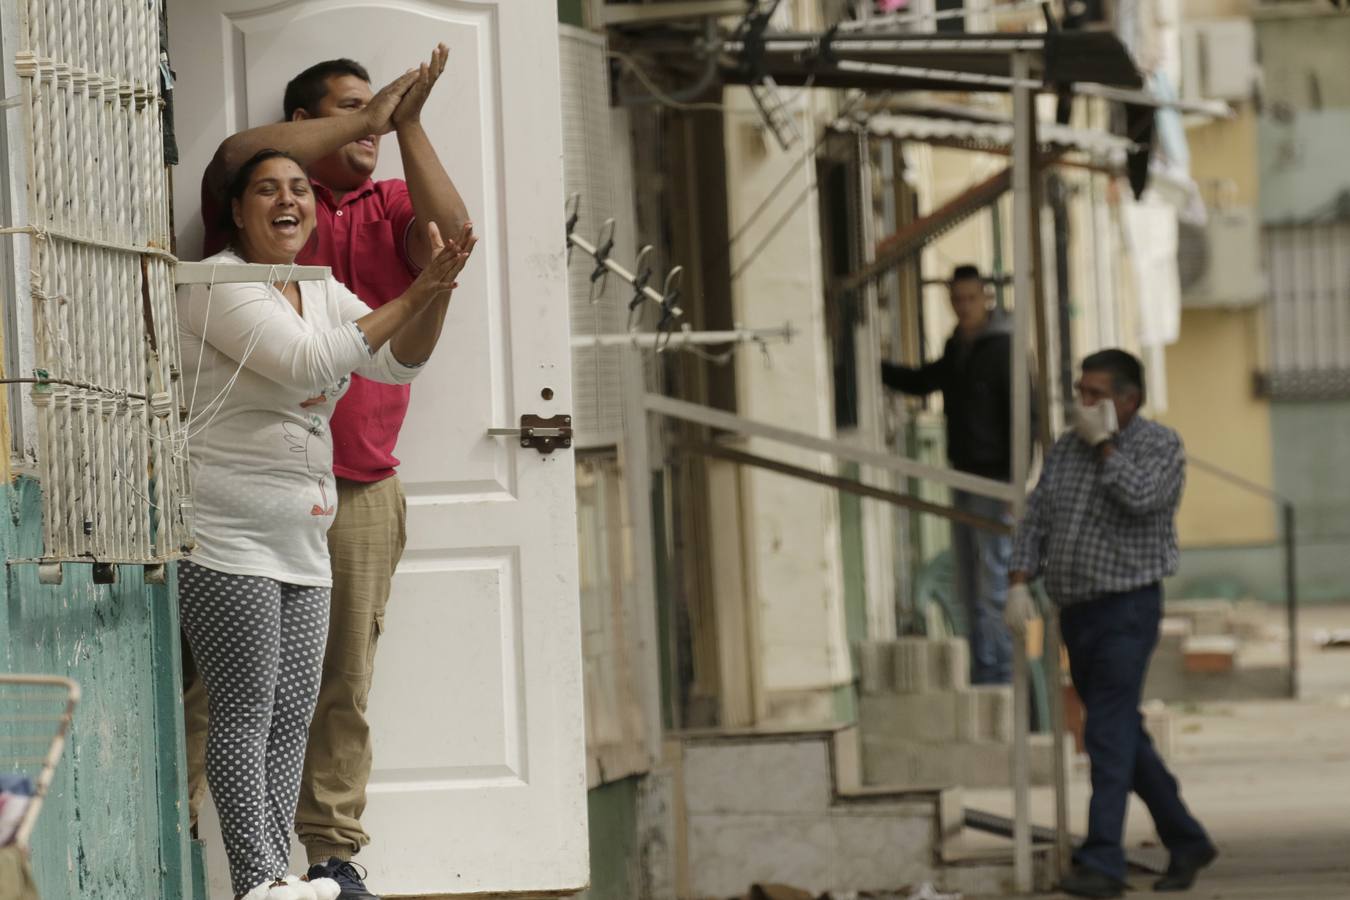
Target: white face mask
[1097,422]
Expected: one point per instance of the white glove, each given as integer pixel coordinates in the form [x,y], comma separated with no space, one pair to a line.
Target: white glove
[1097,423]
[1019,609]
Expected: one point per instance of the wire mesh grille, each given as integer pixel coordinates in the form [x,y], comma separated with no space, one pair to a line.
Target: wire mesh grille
[111,451]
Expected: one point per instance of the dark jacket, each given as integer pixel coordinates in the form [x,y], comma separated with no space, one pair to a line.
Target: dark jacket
[976,397]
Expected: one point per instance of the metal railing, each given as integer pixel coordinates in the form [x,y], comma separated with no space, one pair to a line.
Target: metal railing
[1289,537]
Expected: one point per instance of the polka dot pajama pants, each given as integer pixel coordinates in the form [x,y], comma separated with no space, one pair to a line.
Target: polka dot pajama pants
[259,645]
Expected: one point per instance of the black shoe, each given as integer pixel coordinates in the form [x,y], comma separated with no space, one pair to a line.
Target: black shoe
[1087,882]
[349,876]
[1182,869]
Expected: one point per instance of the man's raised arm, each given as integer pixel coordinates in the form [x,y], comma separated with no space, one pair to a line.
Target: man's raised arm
[434,196]
[308,139]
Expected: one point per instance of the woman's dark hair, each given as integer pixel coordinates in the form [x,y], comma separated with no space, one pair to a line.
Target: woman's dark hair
[239,183]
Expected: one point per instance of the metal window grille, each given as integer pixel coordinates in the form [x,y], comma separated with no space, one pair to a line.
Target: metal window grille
[1308,268]
[111,441]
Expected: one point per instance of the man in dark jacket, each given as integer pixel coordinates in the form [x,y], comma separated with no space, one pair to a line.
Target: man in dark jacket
[974,377]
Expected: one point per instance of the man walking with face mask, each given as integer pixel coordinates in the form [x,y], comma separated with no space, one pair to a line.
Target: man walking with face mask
[1100,529]
[974,377]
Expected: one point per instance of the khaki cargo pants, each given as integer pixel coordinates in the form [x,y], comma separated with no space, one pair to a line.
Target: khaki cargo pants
[16,875]
[365,542]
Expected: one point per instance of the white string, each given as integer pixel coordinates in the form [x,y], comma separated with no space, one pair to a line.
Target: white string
[217,403]
[206,323]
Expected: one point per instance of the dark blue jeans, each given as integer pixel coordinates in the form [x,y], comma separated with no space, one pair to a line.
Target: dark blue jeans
[1110,640]
[981,559]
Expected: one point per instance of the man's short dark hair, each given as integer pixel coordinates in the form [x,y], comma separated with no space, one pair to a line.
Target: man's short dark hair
[1125,369]
[309,87]
[966,272]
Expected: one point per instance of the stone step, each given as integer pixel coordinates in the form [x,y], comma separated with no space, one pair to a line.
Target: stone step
[753,775]
[1209,654]
[790,808]
[907,763]
[1208,618]
[914,665]
[990,874]
[982,713]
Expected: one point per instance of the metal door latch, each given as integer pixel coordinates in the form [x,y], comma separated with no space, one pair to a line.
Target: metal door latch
[539,433]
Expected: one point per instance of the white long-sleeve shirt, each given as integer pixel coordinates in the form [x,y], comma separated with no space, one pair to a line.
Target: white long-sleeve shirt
[262,381]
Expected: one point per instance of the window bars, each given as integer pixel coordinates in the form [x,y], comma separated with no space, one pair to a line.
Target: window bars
[110,436]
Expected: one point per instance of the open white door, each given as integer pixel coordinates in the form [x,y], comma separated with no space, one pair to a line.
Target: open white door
[477,706]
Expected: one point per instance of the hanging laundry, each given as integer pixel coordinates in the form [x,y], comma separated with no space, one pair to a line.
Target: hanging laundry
[16,792]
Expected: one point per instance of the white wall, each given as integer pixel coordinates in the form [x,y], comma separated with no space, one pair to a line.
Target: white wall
[792,541]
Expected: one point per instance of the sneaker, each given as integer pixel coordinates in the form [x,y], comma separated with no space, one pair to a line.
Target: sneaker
[349,876]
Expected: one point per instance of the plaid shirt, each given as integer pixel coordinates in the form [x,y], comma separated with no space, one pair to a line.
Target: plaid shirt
[1095,526]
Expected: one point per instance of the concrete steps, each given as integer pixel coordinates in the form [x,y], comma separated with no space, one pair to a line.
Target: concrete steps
[1216,650]
[924,725]
[770,808]
[791,808]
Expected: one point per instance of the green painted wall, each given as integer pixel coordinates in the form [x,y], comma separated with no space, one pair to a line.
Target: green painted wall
[570,13]
[112,826]
[615,856]
[1309,461]
[1310,469]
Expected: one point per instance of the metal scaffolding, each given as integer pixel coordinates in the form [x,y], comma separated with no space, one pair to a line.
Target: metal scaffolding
[1021,65]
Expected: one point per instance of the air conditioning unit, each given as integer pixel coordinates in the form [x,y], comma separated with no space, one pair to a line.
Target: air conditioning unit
[1218,60]
[1219,262]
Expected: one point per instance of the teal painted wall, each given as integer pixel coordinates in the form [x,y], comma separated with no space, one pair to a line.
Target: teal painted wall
[1255,571]
[113,826]
[1311,440]
[615,855]
[1310,469]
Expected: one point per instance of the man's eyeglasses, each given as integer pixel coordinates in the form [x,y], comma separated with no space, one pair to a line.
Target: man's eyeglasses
[1090,394]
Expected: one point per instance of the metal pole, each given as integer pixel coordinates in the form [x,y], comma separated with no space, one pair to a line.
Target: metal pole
[877,536]
[1024,221]
[996,220]
[674,340]
[637,474]
[594,252]
[1291,593]
[890,289]
[1054,675]
[716,418]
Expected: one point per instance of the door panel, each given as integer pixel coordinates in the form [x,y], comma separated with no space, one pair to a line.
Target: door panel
[476,710]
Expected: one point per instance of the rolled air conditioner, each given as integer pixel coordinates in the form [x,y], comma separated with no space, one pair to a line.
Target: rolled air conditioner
[1220,261]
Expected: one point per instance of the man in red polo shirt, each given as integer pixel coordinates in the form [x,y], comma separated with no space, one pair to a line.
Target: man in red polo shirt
[374,236]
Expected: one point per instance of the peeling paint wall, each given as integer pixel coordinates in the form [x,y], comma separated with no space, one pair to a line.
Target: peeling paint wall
[112,826]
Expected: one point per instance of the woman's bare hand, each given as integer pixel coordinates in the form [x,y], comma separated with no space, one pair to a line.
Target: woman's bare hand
[448,258]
